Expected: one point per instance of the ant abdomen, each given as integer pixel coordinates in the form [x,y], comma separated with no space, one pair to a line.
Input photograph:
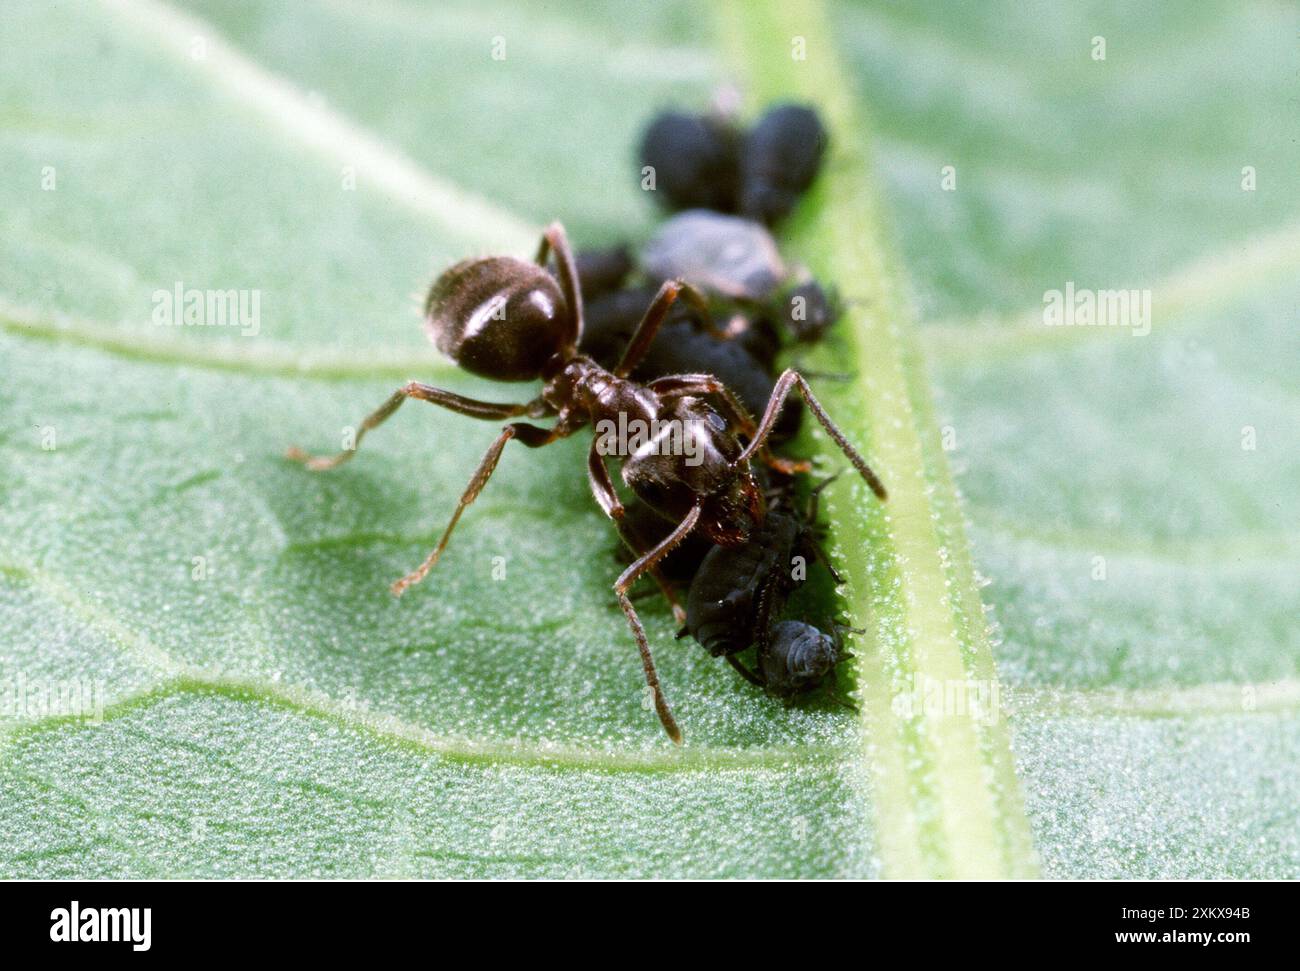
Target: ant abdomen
[497,317]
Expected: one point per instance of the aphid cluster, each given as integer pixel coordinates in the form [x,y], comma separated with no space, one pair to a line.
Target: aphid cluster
[720,514]
[710,162]
[736,594]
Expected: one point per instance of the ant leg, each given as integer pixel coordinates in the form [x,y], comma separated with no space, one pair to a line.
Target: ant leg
[643,645]
[425,392]
[722,334]
[636,543]
[653,318]
[736,412]
[530,435]
[789,379]
[555,239]
[673,385]
[602,487]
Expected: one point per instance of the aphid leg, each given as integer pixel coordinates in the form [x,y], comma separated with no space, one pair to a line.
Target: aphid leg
[654,316]
[814,501]
[790,379]
[744,672]
[820,553]
[555,239]
[841,628]
[815,495]
[678,384]
[835,696]
[424,392]
[602,487]
[530,435]
[763,625]
[621,587]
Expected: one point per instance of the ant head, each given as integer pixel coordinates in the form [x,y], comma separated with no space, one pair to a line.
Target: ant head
[730,516]
[498,317]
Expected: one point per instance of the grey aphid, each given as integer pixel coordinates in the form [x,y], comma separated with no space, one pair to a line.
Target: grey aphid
[723,255]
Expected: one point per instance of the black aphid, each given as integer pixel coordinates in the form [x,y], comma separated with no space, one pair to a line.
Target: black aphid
[780,160]
[694,160]
[794,657]
[707,162]
[738,593]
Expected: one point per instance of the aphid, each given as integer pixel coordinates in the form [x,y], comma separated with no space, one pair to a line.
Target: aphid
[779,161]
[738,592]
[736,588]
[695,160]
[706,162]
[808,311]
[805,313]
[509,320]
[736,596]
[722,255]
[602,271]
[737,260]
[795,657]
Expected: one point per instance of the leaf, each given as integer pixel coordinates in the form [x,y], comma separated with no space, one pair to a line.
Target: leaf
[285,716]
[1154,711]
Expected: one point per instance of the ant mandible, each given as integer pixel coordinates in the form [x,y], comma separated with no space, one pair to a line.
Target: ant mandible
[508,320]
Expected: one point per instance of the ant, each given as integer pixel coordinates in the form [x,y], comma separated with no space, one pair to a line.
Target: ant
[506,319]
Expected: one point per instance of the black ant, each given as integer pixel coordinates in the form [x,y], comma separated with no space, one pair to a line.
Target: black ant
[503,318]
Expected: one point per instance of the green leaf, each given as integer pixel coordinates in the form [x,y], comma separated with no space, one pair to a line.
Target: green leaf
[284,715]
